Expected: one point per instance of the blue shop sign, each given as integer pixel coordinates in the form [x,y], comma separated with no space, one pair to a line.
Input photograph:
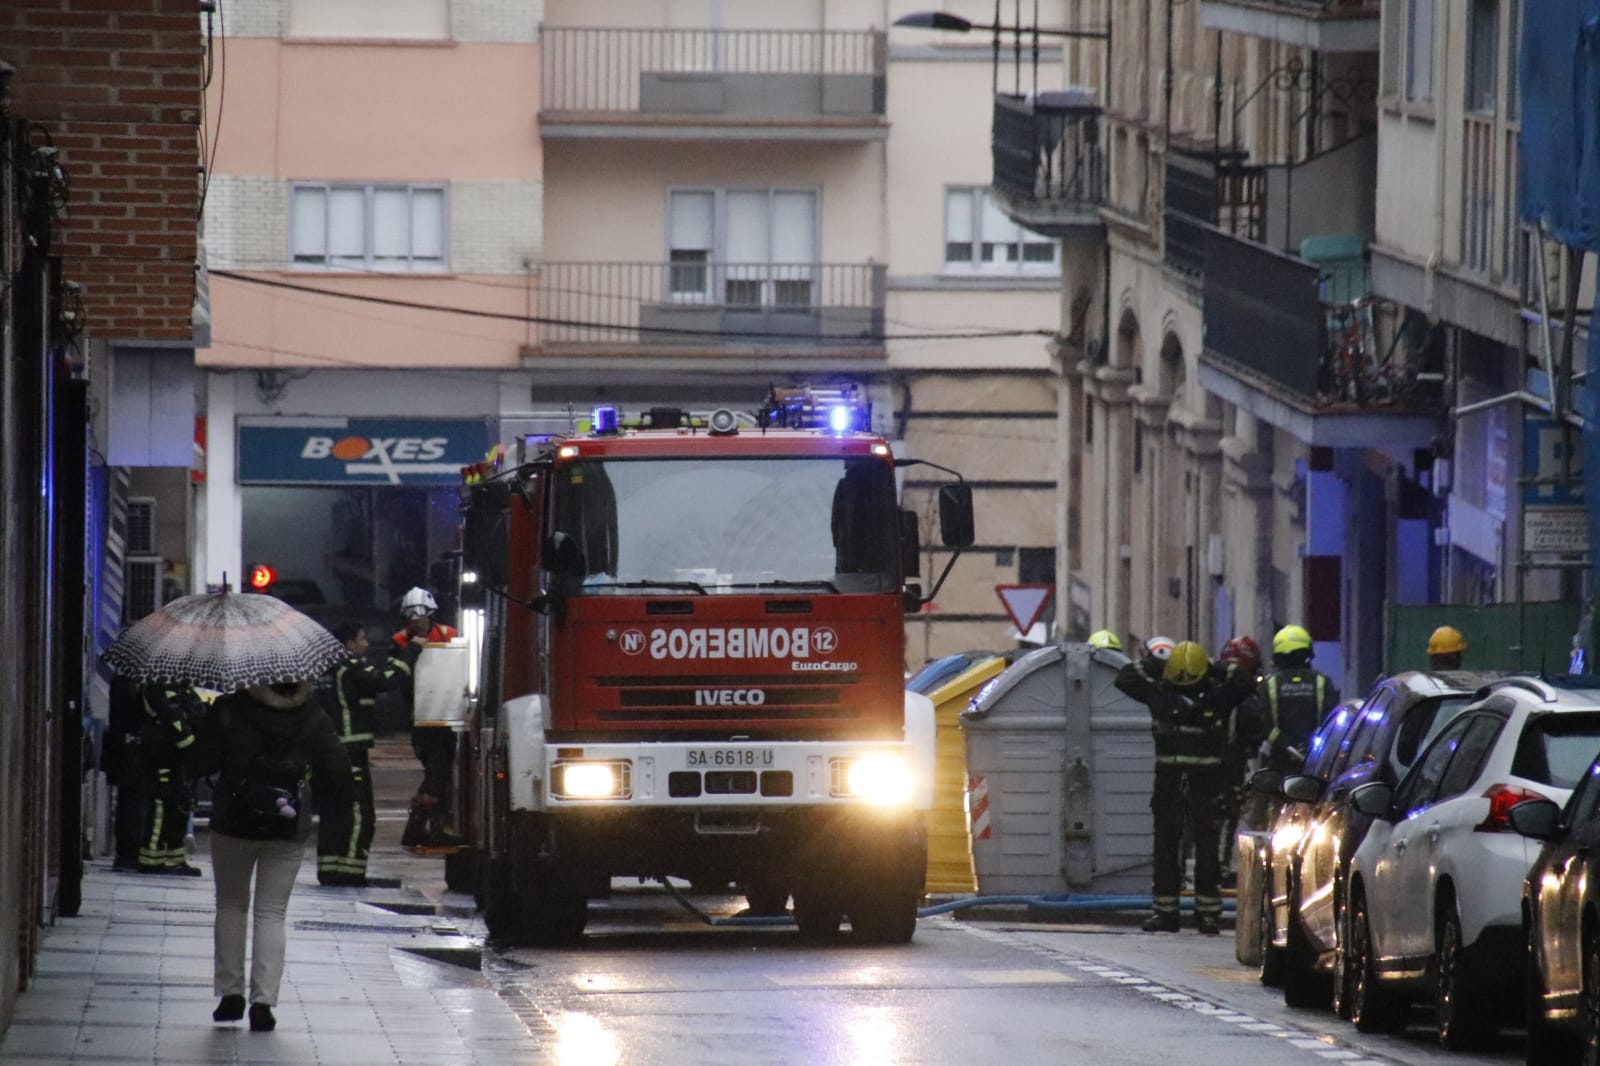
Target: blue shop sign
[358,451]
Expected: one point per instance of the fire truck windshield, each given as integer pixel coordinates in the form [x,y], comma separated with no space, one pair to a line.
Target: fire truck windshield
[711,525]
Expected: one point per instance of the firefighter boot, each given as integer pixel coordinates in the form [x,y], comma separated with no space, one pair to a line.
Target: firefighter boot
[1161,922]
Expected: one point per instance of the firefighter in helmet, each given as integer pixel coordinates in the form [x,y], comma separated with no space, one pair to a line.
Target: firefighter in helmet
[1238,665]
[348,694]
[1289,703]
[1445,648]
[1191,718]
[1106,648]
[1105,639]
[435,746]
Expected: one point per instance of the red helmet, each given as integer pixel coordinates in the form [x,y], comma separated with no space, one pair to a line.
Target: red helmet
[1242,652]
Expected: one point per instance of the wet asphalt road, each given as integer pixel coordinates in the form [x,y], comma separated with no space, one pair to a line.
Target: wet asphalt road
[653,984]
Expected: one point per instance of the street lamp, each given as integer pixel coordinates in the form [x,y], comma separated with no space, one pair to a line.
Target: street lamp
[941,20]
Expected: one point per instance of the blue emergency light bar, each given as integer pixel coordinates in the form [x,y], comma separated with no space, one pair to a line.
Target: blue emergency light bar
[604,420]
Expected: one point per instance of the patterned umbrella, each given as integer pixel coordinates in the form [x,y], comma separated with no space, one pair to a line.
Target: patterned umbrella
[225,641]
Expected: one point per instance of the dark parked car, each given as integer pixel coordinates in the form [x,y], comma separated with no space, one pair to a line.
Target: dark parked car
[1264,893]
[1397,719]
[1561,920]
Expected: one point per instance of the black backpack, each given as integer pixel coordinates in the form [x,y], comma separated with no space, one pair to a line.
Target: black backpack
[271,798]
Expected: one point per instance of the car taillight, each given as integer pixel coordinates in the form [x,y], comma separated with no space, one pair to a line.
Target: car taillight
[1501,799]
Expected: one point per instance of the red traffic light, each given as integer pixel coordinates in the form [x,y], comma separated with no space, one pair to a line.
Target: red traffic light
[262,576]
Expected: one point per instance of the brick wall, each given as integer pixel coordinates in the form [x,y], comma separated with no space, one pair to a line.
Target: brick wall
[116,86]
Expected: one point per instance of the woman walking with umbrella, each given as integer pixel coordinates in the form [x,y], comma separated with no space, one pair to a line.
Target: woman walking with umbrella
[268,740]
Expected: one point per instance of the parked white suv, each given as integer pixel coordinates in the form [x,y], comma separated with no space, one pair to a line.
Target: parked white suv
[1436,886]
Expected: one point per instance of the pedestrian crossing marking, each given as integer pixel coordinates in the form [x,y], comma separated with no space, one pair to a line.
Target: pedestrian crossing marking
[1017,977]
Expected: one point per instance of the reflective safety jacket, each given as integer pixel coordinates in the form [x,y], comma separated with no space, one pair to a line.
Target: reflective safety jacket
[167,731]
[1286,709]
[1193,725]
[349,695]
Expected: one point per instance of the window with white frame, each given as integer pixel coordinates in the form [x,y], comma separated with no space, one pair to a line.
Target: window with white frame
[978,237]
[742,247]
[386,228]
[1420,16]
[1483,53]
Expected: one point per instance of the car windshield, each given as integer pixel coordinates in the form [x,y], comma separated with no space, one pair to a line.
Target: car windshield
[719,525]
[1557,749]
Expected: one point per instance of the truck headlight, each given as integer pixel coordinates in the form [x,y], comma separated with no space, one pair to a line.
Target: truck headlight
[882,778]
[592,780]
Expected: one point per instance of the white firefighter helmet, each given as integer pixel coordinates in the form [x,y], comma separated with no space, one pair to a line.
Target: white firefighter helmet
[418,603]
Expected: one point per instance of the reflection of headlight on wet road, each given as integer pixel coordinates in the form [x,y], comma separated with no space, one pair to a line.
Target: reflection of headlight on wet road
[882,777]
[582,1040]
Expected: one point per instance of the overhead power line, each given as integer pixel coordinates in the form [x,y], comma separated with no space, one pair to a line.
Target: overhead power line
[542,320]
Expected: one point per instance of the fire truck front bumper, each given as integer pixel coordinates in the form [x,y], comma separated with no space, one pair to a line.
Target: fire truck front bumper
[730,774]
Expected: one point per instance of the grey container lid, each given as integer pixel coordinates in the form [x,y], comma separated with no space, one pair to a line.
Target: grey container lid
[1020,697]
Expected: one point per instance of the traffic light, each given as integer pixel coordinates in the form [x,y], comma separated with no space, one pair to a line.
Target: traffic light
[261,577]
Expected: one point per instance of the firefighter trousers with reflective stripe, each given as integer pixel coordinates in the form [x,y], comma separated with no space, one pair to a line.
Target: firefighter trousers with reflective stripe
[166,818]
[344,833]
[1174,808]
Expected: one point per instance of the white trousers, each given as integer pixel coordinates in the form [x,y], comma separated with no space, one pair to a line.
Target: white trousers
[273,866]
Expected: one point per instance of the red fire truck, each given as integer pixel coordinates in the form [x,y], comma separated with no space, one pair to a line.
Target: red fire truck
[687,649]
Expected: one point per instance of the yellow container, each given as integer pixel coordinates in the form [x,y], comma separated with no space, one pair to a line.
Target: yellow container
[949,844]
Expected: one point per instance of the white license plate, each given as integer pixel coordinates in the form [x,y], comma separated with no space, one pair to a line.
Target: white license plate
[731,758]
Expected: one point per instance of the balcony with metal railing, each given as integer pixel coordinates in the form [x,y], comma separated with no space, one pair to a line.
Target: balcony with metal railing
[1320,25]
[609,83]
[1298,342]
[694,308]
[1049,163]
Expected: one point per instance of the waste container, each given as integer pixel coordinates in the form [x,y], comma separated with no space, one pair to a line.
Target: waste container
[1059,769]
[949,846]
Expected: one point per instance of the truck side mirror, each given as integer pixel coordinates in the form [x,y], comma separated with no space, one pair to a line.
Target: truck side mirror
[910,545]
[955,515]
[563,557]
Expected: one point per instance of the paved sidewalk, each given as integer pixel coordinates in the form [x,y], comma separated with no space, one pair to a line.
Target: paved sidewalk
[373,975]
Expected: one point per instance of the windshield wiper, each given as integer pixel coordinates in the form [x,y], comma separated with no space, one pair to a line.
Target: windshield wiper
[782,583]
[646,583]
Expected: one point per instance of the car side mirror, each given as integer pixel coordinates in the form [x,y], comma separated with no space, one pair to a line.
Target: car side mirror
[1538,819]
[1267,782]
[1374,799]
[1302,788]
[563,557]
[955,515]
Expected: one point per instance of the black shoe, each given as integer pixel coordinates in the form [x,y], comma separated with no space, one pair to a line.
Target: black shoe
[185,870]
[261,1019]
[341,880]
[382,882]
[231,1009]
[1208,925]
[1161,922]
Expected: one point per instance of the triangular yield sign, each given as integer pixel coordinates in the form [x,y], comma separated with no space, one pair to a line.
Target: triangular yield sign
[1024,603]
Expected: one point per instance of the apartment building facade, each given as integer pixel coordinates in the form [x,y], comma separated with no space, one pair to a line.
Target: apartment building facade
[1236,448]
[1451,245]
[100,157]
[374,227]
[653,204]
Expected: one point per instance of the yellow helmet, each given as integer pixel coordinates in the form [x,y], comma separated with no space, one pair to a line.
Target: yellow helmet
[1290,639]
[1187,665]
[1104,638]
[1445,640]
